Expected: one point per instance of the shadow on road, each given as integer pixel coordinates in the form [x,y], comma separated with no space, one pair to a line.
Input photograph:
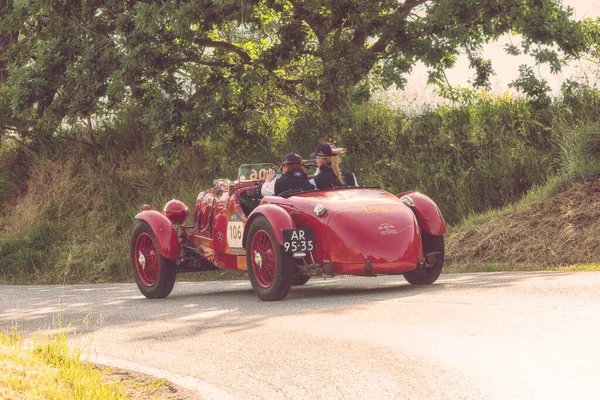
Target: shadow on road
[230,306]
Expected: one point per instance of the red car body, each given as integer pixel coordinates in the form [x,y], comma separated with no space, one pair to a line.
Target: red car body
[284,240]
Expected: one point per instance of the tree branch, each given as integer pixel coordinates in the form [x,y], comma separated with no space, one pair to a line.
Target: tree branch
[200,61]
[288,87]
[224,45]
[309,53]
[314,20]
[359,37]
[402,12]
[80,141]
[23,146]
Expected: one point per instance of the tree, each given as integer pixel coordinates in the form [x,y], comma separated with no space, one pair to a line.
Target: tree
[58,63]
[198,67]
[325,48]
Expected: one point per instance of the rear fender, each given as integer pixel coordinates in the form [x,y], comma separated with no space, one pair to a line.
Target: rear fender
[168,243]
[427,212]
[278,218]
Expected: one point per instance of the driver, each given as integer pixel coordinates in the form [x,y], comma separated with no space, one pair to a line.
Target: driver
[294,177]
[329,174]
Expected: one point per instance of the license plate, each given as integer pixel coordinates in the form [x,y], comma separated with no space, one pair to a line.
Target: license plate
[296,240]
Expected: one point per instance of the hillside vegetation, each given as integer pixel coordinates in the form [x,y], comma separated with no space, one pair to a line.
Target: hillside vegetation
[560,230]
[555,224]
[105,106]
[67,214]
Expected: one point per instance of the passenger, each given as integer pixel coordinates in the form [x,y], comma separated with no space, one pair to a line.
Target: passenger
[294,177]
[329,173]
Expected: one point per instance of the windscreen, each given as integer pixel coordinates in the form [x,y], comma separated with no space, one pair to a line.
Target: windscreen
[254,172]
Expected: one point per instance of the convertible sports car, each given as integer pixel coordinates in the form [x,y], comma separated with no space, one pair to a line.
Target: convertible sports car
[285,240]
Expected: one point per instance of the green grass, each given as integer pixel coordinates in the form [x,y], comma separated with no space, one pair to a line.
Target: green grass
[472,268]
[156,384]
[580,267]
[538,193]
[48,369]
[580,159]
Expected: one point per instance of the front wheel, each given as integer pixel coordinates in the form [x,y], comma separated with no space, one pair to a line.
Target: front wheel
[154,274]
[426,276]
[269,268]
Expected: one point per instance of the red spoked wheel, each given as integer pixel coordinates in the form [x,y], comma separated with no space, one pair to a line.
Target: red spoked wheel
[146,262]
[263,259]
[269,268]
[154,274]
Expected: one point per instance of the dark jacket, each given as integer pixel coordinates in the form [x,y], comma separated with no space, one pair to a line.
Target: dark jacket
[326,178]
[292,180]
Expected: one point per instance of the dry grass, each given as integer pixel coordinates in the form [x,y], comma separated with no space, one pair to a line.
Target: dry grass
[140,386]
[562,230]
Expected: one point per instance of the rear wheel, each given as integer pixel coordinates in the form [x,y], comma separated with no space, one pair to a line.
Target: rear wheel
[426,276]
[299,280]
[154,274]
[269,268]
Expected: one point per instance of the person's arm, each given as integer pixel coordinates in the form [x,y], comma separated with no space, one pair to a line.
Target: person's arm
[268,188]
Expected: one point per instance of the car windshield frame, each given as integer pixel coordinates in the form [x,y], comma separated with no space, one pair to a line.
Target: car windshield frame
[254,171]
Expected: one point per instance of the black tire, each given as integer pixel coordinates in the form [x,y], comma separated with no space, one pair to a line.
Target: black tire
[272,280]
[158,280]
[299,280]
[431,243]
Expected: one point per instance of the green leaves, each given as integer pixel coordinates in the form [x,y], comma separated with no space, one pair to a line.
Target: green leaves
[535,88]
[193,65]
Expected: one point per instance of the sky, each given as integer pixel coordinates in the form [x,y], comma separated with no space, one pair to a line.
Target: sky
[417,92]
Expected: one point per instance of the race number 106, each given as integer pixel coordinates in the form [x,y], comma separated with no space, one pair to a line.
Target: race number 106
[235,232]
[375,209]
[261,174]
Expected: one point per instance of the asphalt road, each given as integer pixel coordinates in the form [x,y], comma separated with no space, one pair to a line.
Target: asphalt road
[469,336]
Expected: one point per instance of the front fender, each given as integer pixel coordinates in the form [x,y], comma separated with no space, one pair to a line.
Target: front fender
[278,218]
[168,243]
[427,212]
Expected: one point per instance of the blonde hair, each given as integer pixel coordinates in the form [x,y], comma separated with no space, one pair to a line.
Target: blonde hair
[334,161]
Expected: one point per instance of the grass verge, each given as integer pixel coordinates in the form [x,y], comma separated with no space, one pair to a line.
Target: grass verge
[469,268]
[49,369]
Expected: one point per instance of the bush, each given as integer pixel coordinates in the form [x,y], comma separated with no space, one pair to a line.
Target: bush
[73,219]
[24,259]
[581,152]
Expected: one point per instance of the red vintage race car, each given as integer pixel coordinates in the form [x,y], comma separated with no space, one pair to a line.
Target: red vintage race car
[284,240]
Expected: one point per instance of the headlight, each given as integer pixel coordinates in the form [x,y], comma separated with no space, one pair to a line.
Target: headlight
[320,210]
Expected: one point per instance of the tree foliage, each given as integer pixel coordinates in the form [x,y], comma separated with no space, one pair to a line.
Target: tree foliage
[222,68]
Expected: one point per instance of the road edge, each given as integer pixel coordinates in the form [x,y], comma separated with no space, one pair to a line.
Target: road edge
[203,389]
